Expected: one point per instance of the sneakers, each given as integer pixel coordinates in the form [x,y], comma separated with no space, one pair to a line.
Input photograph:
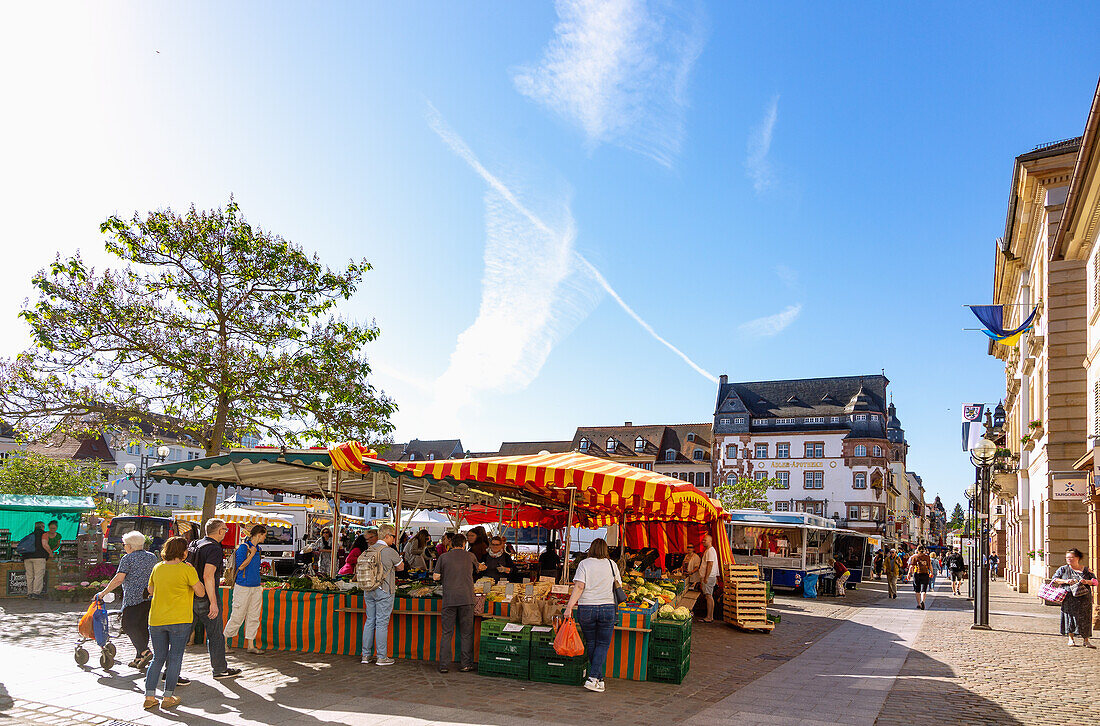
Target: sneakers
[467,669]
[366,659]
[151,702]
[444,669]
[170,702]
[229,673]
[180,681]
[594,684]
[385,661]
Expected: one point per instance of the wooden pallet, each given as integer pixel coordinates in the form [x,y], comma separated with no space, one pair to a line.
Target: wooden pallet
[764,626]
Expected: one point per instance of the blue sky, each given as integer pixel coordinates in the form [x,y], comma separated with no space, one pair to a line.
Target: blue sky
[777,194]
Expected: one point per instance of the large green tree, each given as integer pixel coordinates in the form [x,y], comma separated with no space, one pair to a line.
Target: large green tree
[209,330]
[746,493]
[958,517]
[29,472]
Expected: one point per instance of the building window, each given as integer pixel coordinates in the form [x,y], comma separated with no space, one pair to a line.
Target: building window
[784,478]
[815,419]
[876,451]
[813,480]
[739,420]
[610,445]
[731,480]
[783,451]
[853,511]
[782,506]
[815,450]
[731,451]
[761,451]
[761,421]
[860,417]
[706,479]
[691,437]
[861,450]
[897,455]
[859,480]
[760,475]
[785,421]
[583,445]
[670,454]
[639,443]
[865,513]
[431,457]
[874,417]
[697,455]
[190,502]
[724,421]
[835,419]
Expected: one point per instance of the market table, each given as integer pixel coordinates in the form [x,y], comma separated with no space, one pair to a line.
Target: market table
[332,623]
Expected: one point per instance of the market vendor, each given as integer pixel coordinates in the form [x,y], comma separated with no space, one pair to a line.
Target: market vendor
[498,563]
[692,561]
[322,551]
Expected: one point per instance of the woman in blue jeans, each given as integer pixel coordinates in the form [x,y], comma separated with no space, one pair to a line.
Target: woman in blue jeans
[174,584]
[594,597]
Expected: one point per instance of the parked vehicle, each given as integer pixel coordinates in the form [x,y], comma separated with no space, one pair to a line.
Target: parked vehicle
[156,530]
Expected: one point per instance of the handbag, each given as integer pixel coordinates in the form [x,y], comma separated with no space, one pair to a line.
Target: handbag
[1052,593]
[620,593]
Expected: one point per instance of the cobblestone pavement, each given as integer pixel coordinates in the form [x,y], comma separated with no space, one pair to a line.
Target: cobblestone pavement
[947,673]
[1014,674]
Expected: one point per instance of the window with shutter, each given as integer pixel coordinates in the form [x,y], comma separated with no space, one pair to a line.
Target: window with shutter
[1096,407]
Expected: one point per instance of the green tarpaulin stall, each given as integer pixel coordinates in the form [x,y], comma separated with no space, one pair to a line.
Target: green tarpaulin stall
[19,512]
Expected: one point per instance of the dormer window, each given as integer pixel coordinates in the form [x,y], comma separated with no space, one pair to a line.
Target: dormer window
[691,437]
[697,455]
[610,445]
[670,454]
[876,451]
[412,457]
[861,450]
[724,421]
[583,445]
[431,457]
[639,443]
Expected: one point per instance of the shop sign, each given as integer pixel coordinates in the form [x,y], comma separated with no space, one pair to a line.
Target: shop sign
[1069,485]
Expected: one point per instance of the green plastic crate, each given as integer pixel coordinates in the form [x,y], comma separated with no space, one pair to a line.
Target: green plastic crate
[494,640]
[670,631]
[504,666]
[662,672]
[669,652]
[567,671]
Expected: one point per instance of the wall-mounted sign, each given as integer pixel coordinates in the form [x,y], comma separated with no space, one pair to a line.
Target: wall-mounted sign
[1069,484]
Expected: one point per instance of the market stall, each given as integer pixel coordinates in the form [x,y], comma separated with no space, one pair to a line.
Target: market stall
[573,487]
[18,514]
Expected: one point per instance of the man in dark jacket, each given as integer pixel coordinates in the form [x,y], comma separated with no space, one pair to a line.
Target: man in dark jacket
[456,569]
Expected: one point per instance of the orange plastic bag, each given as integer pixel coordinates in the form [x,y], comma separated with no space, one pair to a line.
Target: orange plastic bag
[84,627]
[568,641]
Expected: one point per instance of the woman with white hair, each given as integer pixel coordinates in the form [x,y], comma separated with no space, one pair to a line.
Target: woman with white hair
[133,575]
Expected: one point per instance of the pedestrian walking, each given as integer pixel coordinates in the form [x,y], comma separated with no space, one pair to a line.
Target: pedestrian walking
[206,556]
[892,566]
[842,575]
[876,564]
[134,570]
[374,575]
[174,584]
[920,569]
[248,592]
[994,560]
[35,549]
[594,597]
[1079,582]
[955,566]
[455,570]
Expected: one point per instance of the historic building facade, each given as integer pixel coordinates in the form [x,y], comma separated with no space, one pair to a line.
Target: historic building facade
[824,439]
[1045,379]
[682,451]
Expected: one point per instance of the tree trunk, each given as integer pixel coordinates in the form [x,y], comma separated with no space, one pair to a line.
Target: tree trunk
[214,448]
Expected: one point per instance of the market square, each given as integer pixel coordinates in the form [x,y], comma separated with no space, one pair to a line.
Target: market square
[567,362]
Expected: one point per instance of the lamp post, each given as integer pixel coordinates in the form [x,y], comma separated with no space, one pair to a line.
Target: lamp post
[142,481]
[968,525]
[982,456]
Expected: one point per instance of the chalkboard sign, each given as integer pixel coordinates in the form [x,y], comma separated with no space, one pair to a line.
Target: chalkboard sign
[17,582]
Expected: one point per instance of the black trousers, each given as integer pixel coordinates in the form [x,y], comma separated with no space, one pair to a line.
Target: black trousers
[464,616]
[135,621]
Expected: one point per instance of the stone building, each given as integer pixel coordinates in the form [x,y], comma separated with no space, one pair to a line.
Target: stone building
[681,451]
[1045,380]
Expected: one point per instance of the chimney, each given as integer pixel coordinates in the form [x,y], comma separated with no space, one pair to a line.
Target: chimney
[723,380]
[628,423]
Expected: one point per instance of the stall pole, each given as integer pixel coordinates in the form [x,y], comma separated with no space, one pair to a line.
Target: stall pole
[397,515]
[568,536]
[333,565]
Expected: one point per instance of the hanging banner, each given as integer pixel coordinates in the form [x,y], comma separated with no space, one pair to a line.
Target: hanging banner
[972,424]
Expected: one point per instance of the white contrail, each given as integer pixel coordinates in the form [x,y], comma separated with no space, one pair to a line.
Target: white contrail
[459,147]
[611,291]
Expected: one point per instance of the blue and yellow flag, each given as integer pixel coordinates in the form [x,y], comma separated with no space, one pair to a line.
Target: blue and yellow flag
[992,317]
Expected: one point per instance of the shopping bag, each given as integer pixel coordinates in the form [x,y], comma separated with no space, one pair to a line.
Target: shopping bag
[531,612]
[568,642]
[85,626]
[1052,593]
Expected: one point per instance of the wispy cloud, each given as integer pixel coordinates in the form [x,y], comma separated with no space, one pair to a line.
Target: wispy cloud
[619,69]
[770,325]
[757,164]
[535,289]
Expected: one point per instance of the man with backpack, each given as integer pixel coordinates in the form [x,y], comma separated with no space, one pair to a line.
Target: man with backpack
[920,569]
[208,559]
[892,566]
[955,566]
[374,576]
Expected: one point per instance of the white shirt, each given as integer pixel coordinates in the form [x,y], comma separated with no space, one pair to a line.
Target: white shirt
[599,577]
[711,555]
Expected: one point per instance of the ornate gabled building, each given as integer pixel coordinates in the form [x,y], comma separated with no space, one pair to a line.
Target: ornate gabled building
[827,441]
[682,451]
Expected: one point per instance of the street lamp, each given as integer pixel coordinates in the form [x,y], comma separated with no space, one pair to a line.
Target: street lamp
[982,456]
[142,481]
[968,536]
